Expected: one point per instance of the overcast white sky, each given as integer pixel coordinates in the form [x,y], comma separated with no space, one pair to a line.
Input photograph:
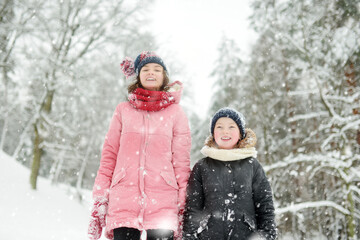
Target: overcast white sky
[192,29]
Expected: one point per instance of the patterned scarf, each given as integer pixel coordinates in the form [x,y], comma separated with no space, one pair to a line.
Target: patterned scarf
[152,101]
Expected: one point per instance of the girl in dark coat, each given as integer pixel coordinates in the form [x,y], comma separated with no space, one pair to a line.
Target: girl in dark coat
[228,194]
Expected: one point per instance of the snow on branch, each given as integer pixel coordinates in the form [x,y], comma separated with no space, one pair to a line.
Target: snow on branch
[351,125]
[328,160]
[354,189]
[297,46]
[50,145]
[325,101]
[356,172]
[293,208]
[346,177]
[58,124]
[303,92]
[348,99]
[308,116]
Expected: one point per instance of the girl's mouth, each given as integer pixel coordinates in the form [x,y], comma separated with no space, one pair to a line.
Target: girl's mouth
[225,138]
[150,79]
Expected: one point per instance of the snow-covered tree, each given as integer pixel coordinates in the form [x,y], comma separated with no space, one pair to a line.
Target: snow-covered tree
[63,66]
[318,47]
[11,29]
[226,73]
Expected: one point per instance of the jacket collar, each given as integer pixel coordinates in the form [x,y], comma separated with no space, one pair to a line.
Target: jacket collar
[228,154]
[175,90]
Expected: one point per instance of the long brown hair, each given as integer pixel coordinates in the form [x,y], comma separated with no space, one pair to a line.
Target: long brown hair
[137,84]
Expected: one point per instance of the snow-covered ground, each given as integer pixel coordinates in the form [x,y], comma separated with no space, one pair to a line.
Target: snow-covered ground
[51,212]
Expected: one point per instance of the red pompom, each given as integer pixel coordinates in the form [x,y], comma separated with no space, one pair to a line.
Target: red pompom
[127,66]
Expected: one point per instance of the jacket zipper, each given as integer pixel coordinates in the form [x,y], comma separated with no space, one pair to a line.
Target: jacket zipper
[145,133]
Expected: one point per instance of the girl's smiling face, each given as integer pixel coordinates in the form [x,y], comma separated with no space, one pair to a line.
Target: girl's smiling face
[226,133]
[152,76]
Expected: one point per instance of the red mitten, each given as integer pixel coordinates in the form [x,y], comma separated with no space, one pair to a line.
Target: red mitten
[98,218]
[94,231]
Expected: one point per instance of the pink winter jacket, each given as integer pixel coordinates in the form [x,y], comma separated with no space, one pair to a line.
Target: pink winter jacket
[144,167]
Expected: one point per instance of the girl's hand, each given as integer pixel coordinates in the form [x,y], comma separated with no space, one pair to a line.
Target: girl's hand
[98,218]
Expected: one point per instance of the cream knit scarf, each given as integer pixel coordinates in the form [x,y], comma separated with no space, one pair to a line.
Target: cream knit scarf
[229,154]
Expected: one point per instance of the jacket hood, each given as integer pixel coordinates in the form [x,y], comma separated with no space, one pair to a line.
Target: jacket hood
[247,142]
[244,149]
[229,154]
[175,90]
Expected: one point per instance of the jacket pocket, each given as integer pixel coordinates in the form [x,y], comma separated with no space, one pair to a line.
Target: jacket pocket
[170,180]
[117,178]
[250,222]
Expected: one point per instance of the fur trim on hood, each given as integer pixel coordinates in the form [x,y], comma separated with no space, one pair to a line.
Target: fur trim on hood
[244,149]
[248,142]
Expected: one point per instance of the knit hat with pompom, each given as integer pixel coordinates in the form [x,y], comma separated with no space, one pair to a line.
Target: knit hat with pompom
[132,68]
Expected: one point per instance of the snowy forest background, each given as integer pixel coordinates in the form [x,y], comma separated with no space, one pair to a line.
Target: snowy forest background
[300,92]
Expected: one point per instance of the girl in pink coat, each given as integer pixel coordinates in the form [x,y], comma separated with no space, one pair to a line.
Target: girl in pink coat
[145,162]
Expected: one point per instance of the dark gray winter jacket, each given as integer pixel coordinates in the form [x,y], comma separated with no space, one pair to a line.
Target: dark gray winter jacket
[228,199]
